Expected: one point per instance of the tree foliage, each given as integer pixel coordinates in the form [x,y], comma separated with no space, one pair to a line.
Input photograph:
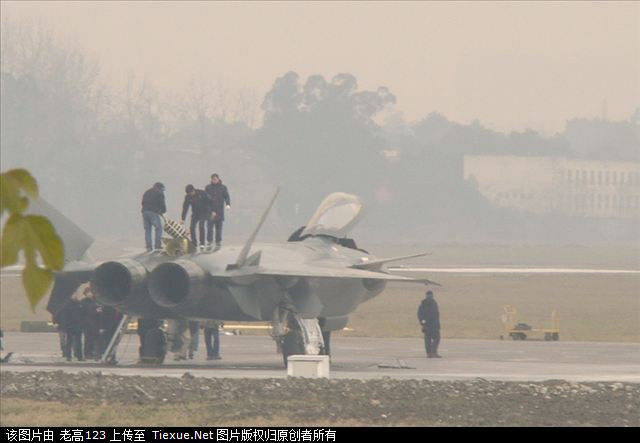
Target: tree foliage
[34,235]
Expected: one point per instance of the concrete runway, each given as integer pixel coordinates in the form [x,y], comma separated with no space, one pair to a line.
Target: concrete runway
[362,358]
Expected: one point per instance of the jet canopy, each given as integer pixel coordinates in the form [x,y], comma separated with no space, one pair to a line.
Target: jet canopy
[336,215]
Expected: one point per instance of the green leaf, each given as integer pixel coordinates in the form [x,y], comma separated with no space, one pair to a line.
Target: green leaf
[40,235]
[11,240]
[11,182]
[36,281]
[33,234]
[24,180]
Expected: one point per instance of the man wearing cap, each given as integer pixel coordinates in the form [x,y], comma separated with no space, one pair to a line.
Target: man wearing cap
[429,318]
[200,209]
[153,206]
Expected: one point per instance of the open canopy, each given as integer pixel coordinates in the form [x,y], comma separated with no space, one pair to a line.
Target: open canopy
[336,215]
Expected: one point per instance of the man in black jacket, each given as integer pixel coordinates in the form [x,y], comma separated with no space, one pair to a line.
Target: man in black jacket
[200,208]
[72,322]
[219,195]
[429,317]
[91,324]
[153,206]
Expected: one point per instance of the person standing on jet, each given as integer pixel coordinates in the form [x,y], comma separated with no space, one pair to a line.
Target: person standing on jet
[219,195]
[153,206]
[200,210]
[429,317]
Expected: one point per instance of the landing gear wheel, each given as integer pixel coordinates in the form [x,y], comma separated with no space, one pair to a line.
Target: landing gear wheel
[155,347]
[292,344]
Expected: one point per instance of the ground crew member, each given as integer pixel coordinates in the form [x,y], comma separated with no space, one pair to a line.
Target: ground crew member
[212,331]
[177,335]
[145,325]
[200,210]
[153,206]
[219,195]
[71,319]
[194,334]
[58,321]
[91,324]
[429,317]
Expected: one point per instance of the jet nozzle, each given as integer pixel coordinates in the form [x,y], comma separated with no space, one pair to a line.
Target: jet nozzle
[175,283]
[114,282]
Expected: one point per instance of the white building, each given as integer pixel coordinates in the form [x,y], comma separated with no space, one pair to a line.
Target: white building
[589,188]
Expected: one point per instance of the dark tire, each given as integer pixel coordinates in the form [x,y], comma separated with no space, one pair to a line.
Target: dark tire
[523,336]
[547,336]
[155,347]
[292,344]
[555,336]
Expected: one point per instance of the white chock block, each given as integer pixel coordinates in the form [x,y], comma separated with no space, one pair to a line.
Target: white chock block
[312,366]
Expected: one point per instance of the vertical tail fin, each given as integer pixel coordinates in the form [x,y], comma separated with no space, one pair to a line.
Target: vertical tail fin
[76,241]
[242,258]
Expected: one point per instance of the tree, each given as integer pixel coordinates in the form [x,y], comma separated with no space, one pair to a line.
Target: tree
[320,135]
[34,235]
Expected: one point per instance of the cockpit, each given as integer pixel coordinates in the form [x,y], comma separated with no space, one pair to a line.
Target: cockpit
[335,217]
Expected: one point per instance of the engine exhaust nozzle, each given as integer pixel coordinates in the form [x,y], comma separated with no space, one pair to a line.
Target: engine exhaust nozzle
[176,283]
[114,282]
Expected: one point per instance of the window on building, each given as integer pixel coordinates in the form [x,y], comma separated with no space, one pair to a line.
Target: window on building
[622,177]
[599,177]
[614,202]
[599,201]
[606,202]
[614,178]
[569,176]
[592,178]
[606,178]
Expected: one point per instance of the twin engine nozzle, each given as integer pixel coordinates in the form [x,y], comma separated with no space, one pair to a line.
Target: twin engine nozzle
[127,283]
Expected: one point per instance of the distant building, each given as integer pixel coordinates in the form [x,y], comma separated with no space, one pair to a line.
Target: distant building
[588,188]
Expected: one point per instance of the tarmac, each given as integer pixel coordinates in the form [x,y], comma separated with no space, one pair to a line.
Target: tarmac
[246,356]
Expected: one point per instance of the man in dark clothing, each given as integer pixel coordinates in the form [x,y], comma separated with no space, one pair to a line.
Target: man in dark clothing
[91,325]
[71,321]
[194,333]
[429,317]
[219,196]
[200,210]
[212,339]
[145,325]
[153,206]
[58,320]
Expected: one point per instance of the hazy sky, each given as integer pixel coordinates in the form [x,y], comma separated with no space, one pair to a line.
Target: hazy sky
[511,65]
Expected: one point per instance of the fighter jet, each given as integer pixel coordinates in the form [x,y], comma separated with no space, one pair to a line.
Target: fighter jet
[306,286]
